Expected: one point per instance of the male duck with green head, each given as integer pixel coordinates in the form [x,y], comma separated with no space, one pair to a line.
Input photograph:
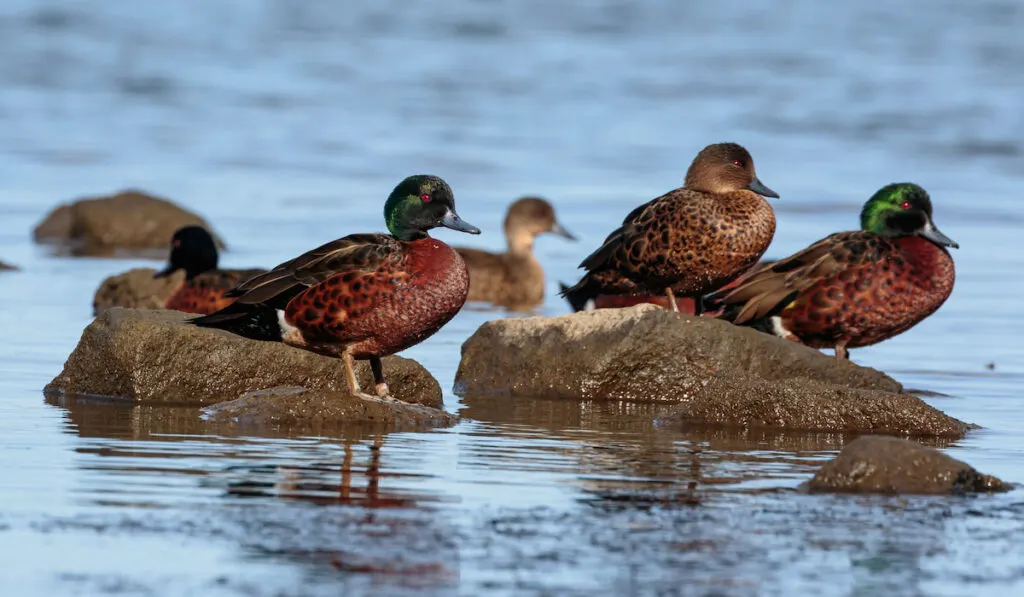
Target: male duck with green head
[854,289]
[364,296]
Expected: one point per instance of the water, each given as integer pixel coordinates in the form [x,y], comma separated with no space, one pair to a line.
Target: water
[286,124]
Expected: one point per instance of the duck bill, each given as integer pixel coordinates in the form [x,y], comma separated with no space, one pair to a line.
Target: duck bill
[557,228]
[758,187]
[170,269]
[453,221]
[936,236]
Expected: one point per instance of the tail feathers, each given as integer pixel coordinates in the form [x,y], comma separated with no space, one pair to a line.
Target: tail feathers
[579,295]
[258,322]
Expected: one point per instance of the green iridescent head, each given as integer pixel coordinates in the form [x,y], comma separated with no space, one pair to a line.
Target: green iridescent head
[420,203]
[902,209]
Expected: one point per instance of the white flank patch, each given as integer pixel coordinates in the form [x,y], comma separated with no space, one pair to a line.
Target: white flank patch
[286,328]
[777,328]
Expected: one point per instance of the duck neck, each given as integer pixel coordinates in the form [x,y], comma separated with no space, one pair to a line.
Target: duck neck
[520,242]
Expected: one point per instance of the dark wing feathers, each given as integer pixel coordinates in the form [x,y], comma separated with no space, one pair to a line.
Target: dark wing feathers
[766,291]
[633,222]
[356,252]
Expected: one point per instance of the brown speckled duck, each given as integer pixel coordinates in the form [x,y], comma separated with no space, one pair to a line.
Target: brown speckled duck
[853,289]
[689,241]
[514,279]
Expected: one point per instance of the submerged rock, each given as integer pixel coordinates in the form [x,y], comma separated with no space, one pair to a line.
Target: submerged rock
[136,289]
[892,465]
[129,221]
[290,406]
[155,357]
[718,373]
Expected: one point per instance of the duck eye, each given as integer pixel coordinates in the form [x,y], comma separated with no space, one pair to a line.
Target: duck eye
[905,205]
[176,244]
[738,164]
[425,197]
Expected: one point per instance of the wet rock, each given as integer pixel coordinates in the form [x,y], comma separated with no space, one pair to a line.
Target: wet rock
[891,465]
[136,289]
[809,405]
[718,373]
[128,222]
[155,357]
[291,406]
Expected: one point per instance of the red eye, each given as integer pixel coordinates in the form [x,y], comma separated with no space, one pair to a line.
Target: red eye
[738,164]
[177,244]
[905,205]
[425,198]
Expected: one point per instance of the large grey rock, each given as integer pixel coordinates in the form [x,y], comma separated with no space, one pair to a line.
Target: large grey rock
[154,356]
[136,289]
[718,373]
[890,465]
[128,222]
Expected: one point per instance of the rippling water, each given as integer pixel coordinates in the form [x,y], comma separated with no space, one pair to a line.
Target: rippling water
[286,123]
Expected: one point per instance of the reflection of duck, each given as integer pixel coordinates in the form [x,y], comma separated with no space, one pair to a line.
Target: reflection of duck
[619,301]
[193,250]
[854,289]
[690,241]
[514,278]
[363,296]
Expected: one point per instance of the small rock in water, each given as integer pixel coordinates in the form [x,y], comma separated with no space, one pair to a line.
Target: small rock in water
[879,464]
[127,222]
[7,267]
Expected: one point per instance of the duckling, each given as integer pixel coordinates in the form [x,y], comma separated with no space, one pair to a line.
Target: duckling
[514,279]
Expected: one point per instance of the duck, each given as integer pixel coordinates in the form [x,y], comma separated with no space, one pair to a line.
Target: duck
[514,279]
[621,301]
[204,290]
[689,241]
[853,289]
[366,295]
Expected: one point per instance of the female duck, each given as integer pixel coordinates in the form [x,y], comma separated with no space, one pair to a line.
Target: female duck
[203,291]
[514,279]
[854,289]
[690,241]
[363,296]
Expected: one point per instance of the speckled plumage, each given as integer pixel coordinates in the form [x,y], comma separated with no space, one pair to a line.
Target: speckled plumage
[514,279]
[690,241]
[854,289]
[363,296]
[206,293]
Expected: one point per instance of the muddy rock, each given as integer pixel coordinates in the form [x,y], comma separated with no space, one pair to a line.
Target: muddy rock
[892,465]
[154,356]
[128,222]
[291,406]
[718,373]
[136,289]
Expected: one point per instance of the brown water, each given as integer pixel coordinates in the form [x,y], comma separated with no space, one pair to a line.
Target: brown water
[286,123]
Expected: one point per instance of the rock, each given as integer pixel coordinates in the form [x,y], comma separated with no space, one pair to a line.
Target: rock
[136,289]
[810,405]
[297,406]
[130,221]
[891,465]
[718,373]
[6,267]
[155,357]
